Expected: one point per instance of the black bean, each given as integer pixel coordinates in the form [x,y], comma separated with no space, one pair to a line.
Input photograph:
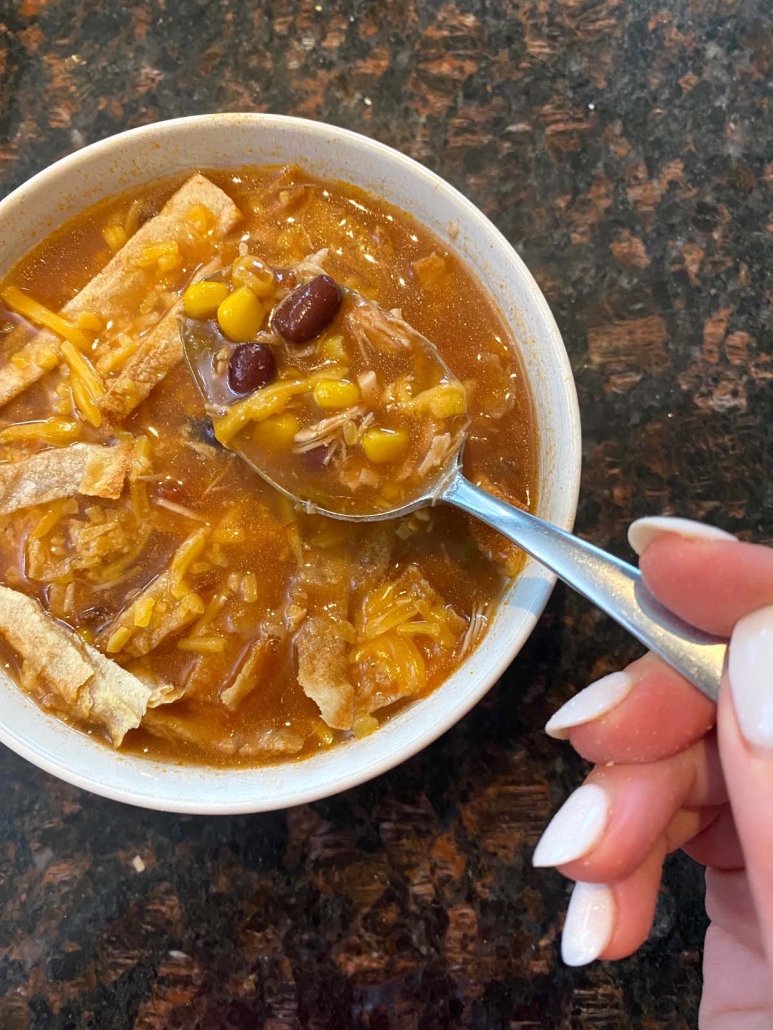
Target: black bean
[309,309]
[251,367]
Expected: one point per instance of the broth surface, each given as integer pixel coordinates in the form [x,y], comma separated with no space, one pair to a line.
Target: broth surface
[261,575]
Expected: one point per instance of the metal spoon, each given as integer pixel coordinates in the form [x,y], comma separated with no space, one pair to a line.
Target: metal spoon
[611,584]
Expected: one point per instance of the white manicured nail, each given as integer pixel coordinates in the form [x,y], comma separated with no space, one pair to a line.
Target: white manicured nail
[750,668]
[575,829]
[590,920]
[591,703]
[643,531]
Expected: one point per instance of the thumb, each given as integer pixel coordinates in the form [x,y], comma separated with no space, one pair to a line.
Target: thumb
[745,733]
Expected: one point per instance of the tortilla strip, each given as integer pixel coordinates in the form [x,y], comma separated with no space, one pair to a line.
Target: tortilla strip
[92,686]
[81,468]
[115,291]
[247,677]
[323,670]
[169,616]
[161,349]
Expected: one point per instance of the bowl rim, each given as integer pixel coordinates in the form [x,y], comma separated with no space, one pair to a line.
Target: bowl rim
[52,761]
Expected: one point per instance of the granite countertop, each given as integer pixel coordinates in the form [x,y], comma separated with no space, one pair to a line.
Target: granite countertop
[622,148]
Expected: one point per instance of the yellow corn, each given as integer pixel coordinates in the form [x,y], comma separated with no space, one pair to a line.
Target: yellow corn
[240,315]
[384,445]
[57,431]
[330,394]
[444,400]
[118,639]
[251,271]
[143,612]
[114,236]
[201,300]
[364,725]
[333,348]
[277,432]
[39,314]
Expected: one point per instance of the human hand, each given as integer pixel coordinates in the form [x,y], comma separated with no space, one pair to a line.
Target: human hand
[665,777]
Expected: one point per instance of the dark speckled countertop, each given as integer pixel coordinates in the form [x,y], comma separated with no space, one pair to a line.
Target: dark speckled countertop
[626,149]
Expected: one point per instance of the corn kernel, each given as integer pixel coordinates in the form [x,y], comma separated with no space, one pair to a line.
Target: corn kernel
[364,725]
[333,348]
[444,400]
[201,300]
[384,445]
[335,393]
[449,400]
[277,432]
[251,271]
[240,315]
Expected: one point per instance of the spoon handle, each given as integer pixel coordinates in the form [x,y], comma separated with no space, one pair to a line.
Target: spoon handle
[612,585]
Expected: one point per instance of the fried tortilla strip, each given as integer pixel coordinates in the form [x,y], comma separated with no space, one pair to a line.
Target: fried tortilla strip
[81,468]
[323,670]
[247,677]
[54,659]
[118,289]
[161,349]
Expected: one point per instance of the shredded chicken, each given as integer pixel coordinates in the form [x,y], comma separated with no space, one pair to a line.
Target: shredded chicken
[326,431]
[439,450]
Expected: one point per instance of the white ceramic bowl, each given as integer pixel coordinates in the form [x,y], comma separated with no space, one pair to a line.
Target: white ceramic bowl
[208,141]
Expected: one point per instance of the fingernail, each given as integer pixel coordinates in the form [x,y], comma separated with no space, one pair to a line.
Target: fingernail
[575,829]
[591,703]
[750,668]
[590,920]
[643,531]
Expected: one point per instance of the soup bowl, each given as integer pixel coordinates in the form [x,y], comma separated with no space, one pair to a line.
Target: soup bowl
[227,140]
